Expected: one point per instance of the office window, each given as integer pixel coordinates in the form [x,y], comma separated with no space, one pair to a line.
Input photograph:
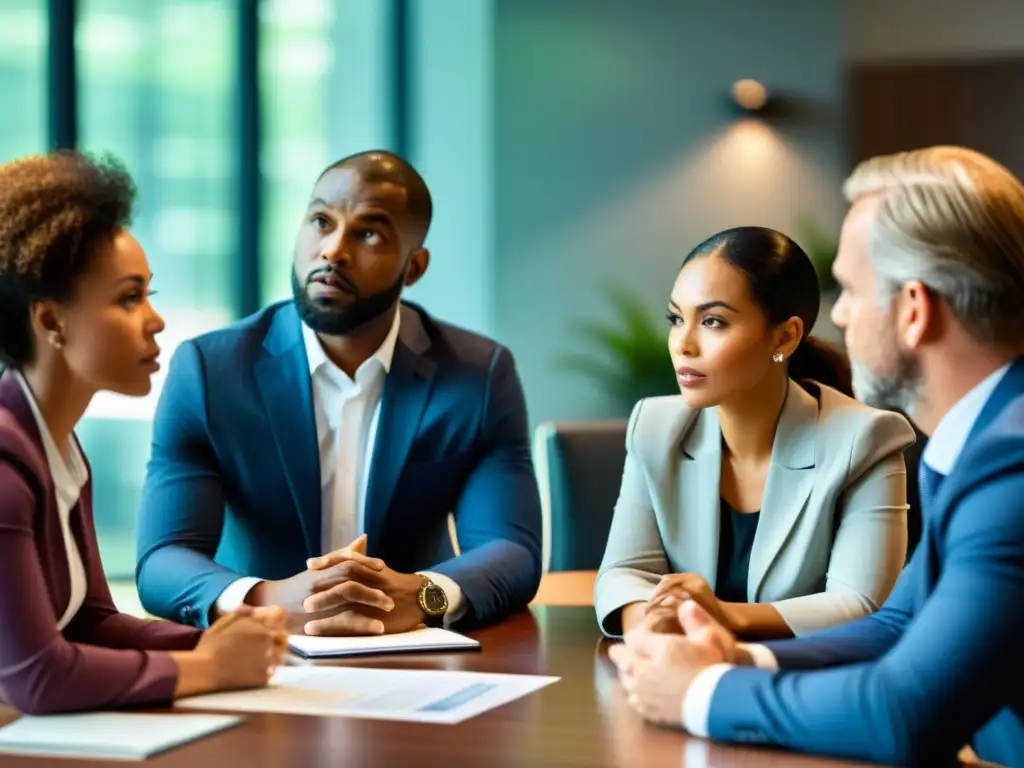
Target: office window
[156,88]
[325,93]
[22,78]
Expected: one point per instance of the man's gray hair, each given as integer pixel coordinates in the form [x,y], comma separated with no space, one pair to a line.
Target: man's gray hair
[953,219]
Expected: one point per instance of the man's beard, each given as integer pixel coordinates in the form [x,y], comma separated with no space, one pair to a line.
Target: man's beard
[327,317]
[897,389]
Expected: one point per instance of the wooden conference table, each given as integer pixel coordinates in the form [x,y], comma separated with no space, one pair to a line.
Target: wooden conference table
[582,720]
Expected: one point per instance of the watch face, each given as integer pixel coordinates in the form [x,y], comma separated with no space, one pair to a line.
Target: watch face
[434,599]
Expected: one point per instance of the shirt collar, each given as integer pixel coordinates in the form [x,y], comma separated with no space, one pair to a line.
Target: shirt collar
[384,355]
[68,471]
[947,441]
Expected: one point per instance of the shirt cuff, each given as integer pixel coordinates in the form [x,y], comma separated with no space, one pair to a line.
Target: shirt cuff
[697,699]
[234,594]
[761,656]
[456,602]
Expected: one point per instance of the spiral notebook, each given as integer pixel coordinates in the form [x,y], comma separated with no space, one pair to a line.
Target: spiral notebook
[416,641]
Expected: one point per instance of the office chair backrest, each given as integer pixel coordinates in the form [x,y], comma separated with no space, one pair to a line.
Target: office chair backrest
[579,469]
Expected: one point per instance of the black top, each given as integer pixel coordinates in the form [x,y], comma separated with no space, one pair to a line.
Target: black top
[735,540]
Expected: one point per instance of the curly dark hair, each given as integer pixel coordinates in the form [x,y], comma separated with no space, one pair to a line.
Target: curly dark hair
[55,210]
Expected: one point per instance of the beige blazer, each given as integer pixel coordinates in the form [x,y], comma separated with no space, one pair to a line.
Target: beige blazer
[832,534]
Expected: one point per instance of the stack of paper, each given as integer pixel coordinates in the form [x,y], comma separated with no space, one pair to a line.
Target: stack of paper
[108,735]
[430,639]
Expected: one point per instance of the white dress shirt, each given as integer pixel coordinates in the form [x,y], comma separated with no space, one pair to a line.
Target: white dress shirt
[69,474]
[346,412]
[940,453]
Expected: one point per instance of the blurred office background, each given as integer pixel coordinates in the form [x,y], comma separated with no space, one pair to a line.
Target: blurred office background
[576,150]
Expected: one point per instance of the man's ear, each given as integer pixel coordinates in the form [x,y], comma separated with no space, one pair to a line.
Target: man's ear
[419,260]
[915,314]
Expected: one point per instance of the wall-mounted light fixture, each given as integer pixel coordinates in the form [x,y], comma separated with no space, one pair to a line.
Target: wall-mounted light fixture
[749,95]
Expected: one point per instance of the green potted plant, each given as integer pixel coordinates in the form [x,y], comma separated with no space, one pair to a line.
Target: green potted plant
[820,247]
[626,356]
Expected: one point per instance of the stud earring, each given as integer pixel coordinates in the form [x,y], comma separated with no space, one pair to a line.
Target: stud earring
[57,340]
[778,357]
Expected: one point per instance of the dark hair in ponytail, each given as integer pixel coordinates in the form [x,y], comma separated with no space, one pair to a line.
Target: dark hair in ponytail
[783,284]
[821,361]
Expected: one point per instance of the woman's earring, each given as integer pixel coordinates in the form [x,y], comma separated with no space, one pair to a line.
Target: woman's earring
[778,357]
[57,339]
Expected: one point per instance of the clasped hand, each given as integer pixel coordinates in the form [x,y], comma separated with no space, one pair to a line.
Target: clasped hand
[662,610]
[345,592]
[656,669]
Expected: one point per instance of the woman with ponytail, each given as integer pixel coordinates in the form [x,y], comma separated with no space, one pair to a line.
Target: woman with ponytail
[763,491]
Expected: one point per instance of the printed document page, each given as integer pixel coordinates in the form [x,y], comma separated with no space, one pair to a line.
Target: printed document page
[425,696]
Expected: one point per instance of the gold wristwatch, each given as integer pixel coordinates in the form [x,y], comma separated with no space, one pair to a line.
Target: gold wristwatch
[433,602]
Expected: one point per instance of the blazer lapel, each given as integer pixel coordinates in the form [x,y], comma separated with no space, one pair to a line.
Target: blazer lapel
[58,582]
[789,483]
[286,389]
[406,391]
[697,492]
[13,400]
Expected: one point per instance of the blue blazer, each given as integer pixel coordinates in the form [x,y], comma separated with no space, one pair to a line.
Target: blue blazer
[940,664]
[233,482]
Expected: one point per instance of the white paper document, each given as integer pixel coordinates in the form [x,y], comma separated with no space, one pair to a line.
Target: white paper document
[108,735]
[429,639]
[424,696]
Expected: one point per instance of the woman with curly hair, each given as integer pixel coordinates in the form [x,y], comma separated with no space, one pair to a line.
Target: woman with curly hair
[75,319]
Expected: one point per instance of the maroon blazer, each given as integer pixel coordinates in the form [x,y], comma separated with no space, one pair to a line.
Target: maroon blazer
[102,658]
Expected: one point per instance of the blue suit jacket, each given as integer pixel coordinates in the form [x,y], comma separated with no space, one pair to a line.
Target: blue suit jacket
[940,664]
[233,483]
